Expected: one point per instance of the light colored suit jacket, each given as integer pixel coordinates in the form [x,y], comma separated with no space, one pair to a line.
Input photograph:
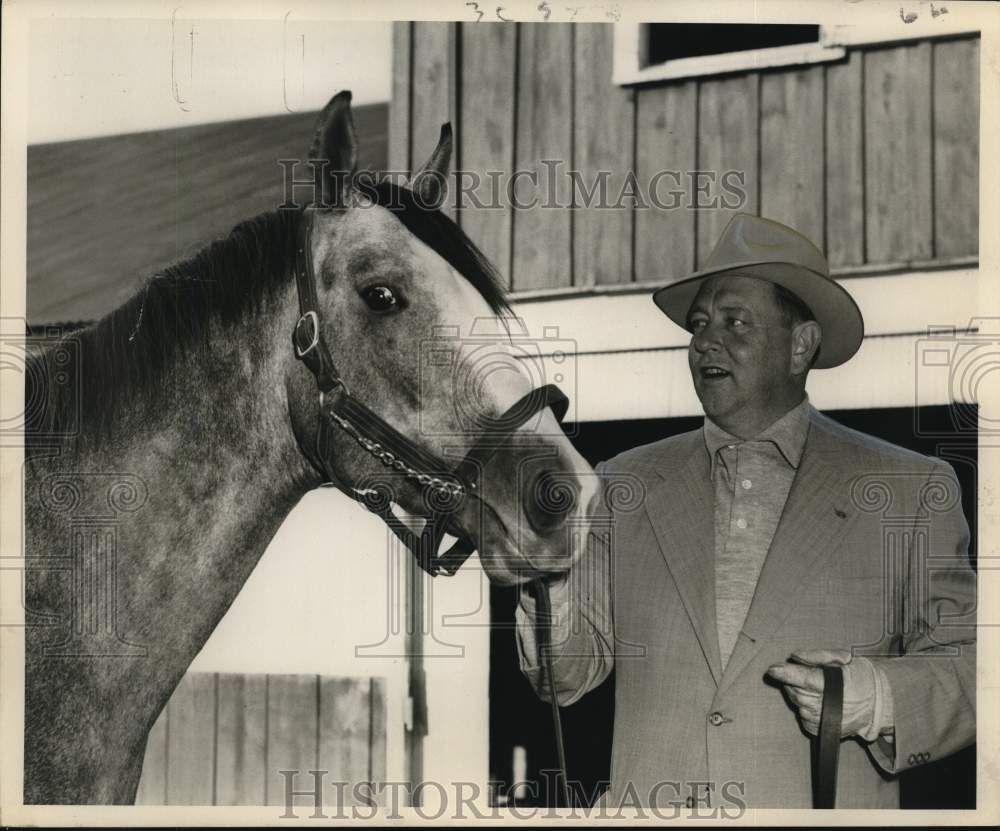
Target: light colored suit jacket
[870,554]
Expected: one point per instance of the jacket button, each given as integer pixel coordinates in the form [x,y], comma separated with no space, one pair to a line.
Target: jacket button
[715,719]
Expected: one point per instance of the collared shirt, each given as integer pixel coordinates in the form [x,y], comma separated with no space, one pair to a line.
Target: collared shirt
[752,479]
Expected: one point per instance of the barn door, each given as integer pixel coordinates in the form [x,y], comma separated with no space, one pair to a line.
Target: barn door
[250,739]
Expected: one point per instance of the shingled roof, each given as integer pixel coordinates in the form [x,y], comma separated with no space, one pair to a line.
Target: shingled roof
[105,213]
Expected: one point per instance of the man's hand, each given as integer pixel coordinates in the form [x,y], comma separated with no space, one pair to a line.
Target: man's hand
[802,682]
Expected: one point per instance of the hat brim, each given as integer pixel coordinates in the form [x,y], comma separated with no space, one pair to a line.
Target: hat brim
[835,310]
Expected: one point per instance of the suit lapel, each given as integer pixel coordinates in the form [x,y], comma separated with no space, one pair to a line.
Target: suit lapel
[684,522]
[815,518]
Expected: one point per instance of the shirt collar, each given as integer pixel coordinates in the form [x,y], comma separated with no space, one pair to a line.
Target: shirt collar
[788,434]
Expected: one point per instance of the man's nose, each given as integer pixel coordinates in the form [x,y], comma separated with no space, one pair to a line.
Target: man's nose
[705,339]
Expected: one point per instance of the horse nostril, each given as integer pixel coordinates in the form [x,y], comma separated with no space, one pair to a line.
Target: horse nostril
[549,500]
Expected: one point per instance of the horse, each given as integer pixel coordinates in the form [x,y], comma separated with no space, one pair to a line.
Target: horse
[178,432]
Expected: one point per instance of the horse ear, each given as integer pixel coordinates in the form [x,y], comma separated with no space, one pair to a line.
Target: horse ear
[430,183]
[333,152]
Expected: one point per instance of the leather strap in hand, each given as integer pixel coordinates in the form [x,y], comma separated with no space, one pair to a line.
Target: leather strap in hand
[826,747]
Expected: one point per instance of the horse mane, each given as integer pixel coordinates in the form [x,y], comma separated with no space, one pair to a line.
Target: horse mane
[132,347]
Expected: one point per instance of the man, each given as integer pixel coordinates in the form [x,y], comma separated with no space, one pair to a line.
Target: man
[768,543]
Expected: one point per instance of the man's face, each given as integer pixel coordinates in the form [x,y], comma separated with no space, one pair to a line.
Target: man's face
[740,354]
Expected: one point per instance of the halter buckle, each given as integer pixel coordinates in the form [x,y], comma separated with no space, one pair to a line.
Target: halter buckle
[313,318]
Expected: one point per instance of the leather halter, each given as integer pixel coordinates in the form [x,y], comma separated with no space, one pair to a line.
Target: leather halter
[443,487]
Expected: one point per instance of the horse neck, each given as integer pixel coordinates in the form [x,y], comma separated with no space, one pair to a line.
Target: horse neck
[213,469]
[223,470]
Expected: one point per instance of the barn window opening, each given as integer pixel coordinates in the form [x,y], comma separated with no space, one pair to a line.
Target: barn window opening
[649,52]
[670,41]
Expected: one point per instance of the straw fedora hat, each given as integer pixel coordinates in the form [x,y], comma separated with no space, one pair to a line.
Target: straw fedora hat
[756,247]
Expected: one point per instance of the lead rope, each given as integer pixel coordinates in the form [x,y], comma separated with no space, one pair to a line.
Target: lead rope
[541,591]
[826,745]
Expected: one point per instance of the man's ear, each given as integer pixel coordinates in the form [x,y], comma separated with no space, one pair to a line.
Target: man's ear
[806,339]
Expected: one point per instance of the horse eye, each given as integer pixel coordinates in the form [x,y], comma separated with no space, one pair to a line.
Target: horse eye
[379,298]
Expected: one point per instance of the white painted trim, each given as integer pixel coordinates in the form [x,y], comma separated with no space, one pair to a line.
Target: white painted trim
[628,65]
[924,27]
[628,361]
[629,61]
[889,371]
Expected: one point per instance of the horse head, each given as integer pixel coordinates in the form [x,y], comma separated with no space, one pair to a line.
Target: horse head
[432,410]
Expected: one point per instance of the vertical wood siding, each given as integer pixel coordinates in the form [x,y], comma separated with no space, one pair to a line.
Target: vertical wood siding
[223,738]
[542,236]
[728,140]
[191,742]
[487,100]
[844,153]
[241,744]
[874,157]
[666,140]
[434,90]
[956,147]
[898,192]
[603,127]
[791,130]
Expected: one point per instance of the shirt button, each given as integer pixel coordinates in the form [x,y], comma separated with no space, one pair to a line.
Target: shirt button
[689,802]
[741,523]
[747,484]
[715,719]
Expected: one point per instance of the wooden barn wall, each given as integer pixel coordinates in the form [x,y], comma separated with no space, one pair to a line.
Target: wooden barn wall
[223,738]
[875,157]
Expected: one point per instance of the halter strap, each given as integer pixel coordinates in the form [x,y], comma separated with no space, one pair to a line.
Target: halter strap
[338,409]
[307,337]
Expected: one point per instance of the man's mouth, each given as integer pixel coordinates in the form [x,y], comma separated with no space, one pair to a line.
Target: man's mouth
[713,373]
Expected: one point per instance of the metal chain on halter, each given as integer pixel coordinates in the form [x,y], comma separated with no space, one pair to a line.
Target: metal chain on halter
[453,490]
